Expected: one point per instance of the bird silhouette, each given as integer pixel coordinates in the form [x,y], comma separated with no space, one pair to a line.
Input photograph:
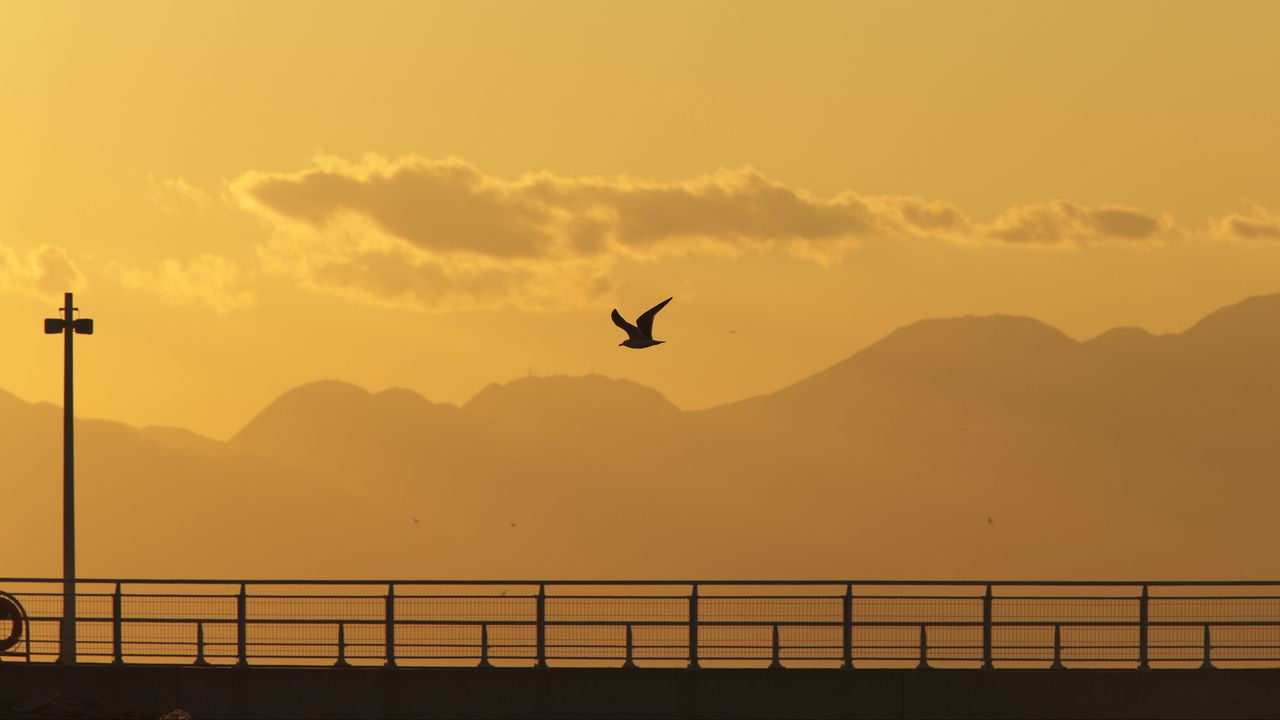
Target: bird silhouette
[640,335]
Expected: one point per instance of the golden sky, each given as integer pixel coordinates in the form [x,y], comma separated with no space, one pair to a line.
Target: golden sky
[247,196]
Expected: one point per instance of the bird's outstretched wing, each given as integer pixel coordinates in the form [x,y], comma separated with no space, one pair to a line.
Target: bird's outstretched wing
[632,331]
[645,321]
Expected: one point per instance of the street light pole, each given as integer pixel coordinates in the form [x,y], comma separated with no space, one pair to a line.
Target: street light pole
[69,326]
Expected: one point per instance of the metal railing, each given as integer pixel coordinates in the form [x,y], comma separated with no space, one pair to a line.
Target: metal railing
[850,624]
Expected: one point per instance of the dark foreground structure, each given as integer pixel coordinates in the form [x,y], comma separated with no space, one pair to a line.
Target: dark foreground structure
[139,691]
[624,648]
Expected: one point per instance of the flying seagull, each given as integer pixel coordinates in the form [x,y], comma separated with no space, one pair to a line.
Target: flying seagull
[640,335]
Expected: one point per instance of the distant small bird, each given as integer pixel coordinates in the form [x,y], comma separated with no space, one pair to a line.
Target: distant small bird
[414,519]
[990,521]
[513,524]
[640,335]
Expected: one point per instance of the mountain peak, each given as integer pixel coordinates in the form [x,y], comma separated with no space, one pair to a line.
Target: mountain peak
[982,344]
[1123,333]
[323,390]
[1122,340]
[313,410]
[1254,316]
[982,330]
[583,396]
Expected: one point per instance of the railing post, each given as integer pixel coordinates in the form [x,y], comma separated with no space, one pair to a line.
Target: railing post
[1057,649]
[242,622]
[693,628]
[117,628]
[630,662]
[1143,664]
[1208,663]
[541,661]
[342,646]
[987,663]
[484,647]
[200,661]
[389,616]
[846,658]
[777,651]
[924,650]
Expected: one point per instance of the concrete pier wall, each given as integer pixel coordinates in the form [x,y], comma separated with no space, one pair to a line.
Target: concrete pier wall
[261,692]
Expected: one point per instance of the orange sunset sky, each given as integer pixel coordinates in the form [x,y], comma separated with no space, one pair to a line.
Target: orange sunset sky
[248,196]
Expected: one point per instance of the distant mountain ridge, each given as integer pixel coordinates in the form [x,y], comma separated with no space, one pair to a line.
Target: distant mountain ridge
[1128,454]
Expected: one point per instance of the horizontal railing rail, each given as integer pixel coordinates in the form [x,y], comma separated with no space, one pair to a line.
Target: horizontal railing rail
[638,623]
[656,583]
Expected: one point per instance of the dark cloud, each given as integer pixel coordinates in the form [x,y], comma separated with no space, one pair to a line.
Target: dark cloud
[927,217]
[446,206]
[1061,221]
[732,209]
[1127,223]
[1255,225]
[436,234]
[450,207]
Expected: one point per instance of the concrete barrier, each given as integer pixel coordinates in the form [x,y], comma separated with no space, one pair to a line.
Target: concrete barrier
[267,692]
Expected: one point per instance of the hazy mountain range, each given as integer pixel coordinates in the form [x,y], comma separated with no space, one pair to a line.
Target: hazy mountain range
[975,447]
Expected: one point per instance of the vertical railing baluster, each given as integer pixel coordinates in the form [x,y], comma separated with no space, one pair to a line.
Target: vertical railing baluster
[389,625]
[846,658]
[1143,602]
[242,629]
[484,647]
[342,646]
[693,628]
[987,663]
[117,627]
[777,651]
[541,661]
[1057,649]
[200,659]
[1207,664]
[924,650]
[630,662]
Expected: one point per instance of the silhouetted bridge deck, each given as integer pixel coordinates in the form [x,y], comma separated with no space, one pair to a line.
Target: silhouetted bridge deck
[1082,633]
